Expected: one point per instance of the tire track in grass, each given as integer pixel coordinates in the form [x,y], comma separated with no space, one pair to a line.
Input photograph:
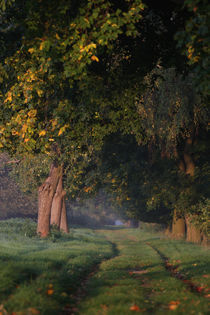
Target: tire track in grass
[134,278]
[176,274]
[81,292]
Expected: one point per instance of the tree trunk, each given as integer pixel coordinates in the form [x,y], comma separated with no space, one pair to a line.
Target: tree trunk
[178,227]
[189,163]
[193,232]
[45,198]
[64,221]
[204,239]
[57,203]
[181,163]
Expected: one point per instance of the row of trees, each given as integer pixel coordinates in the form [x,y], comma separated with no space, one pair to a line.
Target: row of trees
[115,95]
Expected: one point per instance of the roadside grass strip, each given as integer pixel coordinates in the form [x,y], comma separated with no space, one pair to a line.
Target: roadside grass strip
[40,276]
[136,280]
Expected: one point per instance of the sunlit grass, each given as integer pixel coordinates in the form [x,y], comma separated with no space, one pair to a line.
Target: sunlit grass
[136,279]
[45,275]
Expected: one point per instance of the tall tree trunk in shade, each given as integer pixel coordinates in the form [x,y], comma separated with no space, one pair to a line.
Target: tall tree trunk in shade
[189,163]
[45,198]
[57,202]
[193,232]
[186,165]
[64,220]
[178,226]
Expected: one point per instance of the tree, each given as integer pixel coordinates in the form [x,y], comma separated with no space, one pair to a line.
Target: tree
[175,119]
[194,41]
[42,77]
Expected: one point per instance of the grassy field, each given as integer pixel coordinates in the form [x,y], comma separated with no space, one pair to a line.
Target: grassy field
[112,271]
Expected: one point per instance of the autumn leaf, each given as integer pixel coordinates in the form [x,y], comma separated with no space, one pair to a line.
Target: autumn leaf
[199,289]
[42,133]
[173,305]
[87,189]
[135,308]
[9,97]
[62,129]
[50,291]
[31,50]
[94,58]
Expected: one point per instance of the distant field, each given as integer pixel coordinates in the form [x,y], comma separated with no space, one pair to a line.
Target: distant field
[112,271]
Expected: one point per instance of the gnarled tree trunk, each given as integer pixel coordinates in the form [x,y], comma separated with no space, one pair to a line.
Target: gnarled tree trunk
[64,221]
[45,198]
[57,203]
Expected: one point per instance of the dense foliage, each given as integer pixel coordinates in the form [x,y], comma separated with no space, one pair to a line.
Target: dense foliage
[118,93]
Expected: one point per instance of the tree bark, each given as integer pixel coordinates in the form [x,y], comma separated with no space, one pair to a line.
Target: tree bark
[189,163]
[45,198]
[193,232]
[64,221]
[178,227]
[57,203]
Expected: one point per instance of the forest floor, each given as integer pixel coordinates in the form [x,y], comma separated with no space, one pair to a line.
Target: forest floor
[110,271]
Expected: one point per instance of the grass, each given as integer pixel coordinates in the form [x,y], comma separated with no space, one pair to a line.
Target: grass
[58,275]
[42,274]
[137,280]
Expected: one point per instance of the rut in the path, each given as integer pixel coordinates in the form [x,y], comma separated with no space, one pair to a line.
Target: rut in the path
[81,292]
[176,274]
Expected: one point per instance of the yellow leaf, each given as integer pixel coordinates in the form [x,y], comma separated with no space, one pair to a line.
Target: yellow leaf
[57,36]
[24,128]
[26,140]
[41,46]
[31,50]
[42,133]
[9,97]
[95,58]
[32,113]
[39,92]
[62,129]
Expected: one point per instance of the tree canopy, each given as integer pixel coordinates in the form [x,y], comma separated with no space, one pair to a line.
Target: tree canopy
[116,92]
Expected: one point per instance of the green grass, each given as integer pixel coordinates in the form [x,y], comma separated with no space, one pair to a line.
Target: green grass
[137,278]
[45,275]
